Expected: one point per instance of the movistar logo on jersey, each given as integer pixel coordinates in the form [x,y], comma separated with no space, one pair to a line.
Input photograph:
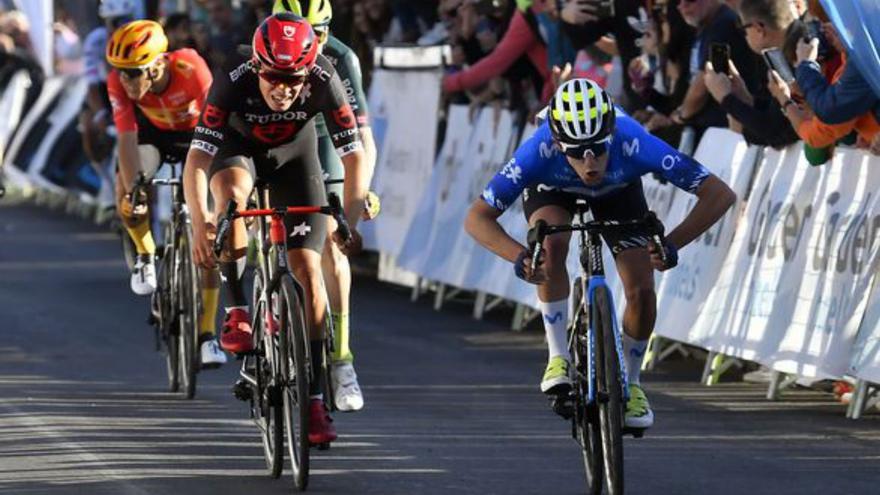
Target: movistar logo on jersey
[547,150]
[632,148]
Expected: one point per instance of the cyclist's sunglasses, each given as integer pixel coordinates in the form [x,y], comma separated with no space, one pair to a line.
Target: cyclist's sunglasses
[282,79]
[136,73]
[580,151]
[323,34]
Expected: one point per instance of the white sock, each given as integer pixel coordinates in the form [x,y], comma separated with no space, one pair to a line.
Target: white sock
[555,316]
[634,352]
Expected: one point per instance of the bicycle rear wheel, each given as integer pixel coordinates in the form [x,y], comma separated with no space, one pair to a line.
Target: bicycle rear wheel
[188,306]
[610,391]
[267,404]
[295,379]
[586,417]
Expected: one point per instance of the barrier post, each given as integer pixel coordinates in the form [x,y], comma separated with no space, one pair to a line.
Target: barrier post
[778,382]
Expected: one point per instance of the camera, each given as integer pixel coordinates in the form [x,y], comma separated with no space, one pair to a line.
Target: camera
[814,30]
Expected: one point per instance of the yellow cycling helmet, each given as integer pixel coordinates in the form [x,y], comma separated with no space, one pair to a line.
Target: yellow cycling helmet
[317,12]
[136,44]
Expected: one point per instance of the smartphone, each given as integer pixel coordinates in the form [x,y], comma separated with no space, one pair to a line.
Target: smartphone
[776,60]
[719,55]
[604,8]
[814,30]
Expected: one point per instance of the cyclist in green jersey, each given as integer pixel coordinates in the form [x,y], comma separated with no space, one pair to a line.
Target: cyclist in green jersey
[337,272]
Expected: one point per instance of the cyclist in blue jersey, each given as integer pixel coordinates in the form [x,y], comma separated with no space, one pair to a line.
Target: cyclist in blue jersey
[587,149]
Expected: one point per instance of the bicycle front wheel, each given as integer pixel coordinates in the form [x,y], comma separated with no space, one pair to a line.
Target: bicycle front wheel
[188,306]
[268,407]
[586,416]
[610,391]
[295,379]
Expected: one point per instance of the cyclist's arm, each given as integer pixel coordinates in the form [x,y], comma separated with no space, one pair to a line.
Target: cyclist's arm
[342,126]
[124,118]
[714,198]
[482,224]
[195,183]
[129,158]
[370,153]
[358,102]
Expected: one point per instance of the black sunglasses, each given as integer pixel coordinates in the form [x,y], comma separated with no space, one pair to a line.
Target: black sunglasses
[580,151]
[134,73]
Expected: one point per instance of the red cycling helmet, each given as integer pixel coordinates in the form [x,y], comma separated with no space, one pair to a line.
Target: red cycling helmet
[285,42]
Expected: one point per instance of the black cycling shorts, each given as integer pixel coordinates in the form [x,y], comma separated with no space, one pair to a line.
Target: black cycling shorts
[626,204]
[294,177]
[172,145]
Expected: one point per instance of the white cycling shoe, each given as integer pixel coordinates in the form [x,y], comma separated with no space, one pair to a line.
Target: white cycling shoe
[347,393]
[143,276]
[212,355]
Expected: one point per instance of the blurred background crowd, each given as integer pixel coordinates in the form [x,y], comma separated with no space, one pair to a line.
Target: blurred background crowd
[655,56]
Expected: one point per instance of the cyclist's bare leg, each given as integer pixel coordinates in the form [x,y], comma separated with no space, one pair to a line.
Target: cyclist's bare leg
[233,183]
[637,275]
[306,265]
[555,253]
[337,279]
[553,293]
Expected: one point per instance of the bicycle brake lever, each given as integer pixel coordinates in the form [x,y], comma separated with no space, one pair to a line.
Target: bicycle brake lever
[223,226]
[535,239]
[338,215]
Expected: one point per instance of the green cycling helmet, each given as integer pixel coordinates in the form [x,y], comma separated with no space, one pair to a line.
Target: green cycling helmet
[317,12]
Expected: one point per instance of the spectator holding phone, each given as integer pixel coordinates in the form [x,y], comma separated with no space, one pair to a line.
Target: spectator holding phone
[816,132]
[715,23]
[586,22]
[760,115]
[836,103]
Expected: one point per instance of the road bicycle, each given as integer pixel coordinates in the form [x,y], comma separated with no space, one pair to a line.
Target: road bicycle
[275,376]
[176,303]
[596,402]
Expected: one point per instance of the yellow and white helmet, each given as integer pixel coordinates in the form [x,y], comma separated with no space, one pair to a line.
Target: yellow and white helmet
[580,113]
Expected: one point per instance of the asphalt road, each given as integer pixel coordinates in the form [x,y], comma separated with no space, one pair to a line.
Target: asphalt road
[452,405]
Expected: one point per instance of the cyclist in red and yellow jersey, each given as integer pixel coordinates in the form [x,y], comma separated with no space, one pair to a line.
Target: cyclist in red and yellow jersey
[156,98]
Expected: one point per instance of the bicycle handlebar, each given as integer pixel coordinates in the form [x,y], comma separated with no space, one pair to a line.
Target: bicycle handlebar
[541,230]
[333,209]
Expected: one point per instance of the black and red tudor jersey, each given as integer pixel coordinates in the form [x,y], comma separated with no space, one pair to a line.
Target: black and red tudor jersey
[235,105]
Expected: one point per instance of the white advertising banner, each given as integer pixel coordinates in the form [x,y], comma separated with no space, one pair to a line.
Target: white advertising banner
[406,151]
[682,291]
[796,280]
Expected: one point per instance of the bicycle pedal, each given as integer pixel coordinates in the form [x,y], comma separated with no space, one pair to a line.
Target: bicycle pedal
[563,405]
[242,390]
[635,432]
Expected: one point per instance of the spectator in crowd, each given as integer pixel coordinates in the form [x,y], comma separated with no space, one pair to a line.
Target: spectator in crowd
[715,23]
[758,116]
[585,25]
[850,96]
[16,25]
[522,37]
[660,75]
[813,129]
[226,34]
[255,11]
[15,57]
[179,30]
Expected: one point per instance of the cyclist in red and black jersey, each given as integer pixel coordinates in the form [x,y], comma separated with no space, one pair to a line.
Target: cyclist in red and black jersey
[258,123]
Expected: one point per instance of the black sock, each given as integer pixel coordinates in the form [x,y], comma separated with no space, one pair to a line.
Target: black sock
[316,386]
[232,274]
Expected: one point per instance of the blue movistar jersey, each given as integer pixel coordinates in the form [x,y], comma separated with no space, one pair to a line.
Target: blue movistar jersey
[633,153]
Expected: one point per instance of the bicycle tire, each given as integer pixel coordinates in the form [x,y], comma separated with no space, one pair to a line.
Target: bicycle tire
[586,417]
[610,391]
[268,409]
[295,379]
[188,304]
[167,319]
[329,389]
